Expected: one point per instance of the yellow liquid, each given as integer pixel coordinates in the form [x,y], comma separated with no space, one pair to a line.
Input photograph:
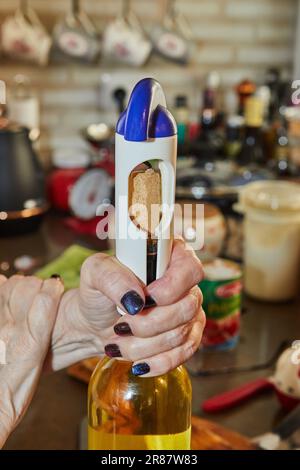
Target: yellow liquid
[99,440]
[134,413]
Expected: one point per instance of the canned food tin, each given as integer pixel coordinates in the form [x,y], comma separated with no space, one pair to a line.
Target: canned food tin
[221,288]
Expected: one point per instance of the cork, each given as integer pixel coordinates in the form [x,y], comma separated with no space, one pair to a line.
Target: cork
[146,199]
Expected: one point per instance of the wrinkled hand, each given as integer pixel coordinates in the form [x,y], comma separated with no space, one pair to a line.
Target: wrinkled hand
[155,339]
[28,308]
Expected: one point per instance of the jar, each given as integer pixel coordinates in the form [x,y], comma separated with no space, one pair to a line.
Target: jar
[271,239]
[205,230]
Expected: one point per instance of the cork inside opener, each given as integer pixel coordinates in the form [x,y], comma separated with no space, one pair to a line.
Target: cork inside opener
[144,208]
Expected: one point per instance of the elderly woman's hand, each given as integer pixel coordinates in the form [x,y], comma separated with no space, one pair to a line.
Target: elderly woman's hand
[28,308]
[40,328]
[155,339]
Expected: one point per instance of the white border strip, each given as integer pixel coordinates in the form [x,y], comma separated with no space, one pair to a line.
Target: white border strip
[297,47]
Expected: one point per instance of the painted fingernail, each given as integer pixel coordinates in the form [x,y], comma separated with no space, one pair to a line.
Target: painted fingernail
[122,329]
[132,302]
[55,276]
[140,369]
[112,350]
[149,302]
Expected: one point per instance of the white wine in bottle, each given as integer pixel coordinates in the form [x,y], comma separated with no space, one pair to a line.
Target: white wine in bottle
[134,413]
[127,412]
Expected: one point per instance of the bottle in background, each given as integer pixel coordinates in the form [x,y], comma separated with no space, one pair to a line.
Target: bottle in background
[210,141]
[252,151]
[273,82]
[181,114]
[244,89]
[233,141]
[282,151]
[292,114]
[272,113]
[281,162]
[208,117]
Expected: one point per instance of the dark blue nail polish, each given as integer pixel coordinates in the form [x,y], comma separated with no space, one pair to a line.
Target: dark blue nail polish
[149,302]
[132,302]
[55,276]
[140,369]
[112,350]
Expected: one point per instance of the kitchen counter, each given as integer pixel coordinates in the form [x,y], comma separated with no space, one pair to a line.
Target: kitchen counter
[53,419]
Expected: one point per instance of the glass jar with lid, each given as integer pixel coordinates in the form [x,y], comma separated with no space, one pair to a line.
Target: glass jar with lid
[271,239]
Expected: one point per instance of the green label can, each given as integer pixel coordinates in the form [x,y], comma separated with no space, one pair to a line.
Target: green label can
[221,288]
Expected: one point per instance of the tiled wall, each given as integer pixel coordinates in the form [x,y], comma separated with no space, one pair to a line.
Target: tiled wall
[239,38]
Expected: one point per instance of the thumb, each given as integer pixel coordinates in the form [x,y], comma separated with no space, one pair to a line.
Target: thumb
[105,274]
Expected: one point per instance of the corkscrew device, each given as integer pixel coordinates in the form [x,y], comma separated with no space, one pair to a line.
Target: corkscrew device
[146,144]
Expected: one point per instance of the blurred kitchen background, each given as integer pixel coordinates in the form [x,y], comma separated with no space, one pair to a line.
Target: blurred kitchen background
[236,38]
[227,68]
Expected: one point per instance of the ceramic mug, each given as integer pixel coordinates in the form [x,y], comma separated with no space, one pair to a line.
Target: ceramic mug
[125,42]
[76,42]
[170,44]
[76,36]
[25,38]
[171,38]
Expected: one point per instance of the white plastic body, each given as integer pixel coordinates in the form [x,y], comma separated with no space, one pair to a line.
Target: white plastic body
[131,242]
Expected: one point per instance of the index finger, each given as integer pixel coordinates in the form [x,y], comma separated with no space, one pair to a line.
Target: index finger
[184,272]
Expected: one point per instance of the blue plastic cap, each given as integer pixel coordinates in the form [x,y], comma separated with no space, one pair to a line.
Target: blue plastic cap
[146,115]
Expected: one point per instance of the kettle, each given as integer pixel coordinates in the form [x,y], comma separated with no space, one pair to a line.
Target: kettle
[22,181]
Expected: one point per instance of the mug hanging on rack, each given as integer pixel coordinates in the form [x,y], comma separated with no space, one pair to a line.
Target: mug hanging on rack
[172,38]
[76,36]
[24,36]
[124,39]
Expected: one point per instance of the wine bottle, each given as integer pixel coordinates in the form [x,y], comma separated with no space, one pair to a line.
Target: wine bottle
[244,89]
[210,140]
[127,412]
[233,140]
[272,81]
[281,162]
[134,413]
[252,151]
